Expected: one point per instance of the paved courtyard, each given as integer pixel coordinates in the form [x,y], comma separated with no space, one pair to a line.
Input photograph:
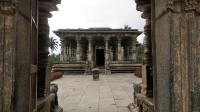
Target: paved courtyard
[112,93]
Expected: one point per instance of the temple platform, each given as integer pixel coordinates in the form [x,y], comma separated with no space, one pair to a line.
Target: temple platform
[82,67]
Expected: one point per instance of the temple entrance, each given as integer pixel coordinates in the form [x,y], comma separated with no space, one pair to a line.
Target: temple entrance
[100,57]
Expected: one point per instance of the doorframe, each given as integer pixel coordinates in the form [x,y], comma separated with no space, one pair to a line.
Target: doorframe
[98,48]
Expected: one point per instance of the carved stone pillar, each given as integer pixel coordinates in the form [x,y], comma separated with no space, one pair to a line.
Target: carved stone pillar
[62,50]
[107,61]
[67,51]
[122,53]
[116,51]
[70,52]
[78,49]
[89,60]
[125,53]
[133,48]
[92,54]
[119,57]
[127,47]
[147,77]
[147,86]
[106,49]
[89,49]
[81,51]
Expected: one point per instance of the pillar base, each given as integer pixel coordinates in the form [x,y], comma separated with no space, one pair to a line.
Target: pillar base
[147,87]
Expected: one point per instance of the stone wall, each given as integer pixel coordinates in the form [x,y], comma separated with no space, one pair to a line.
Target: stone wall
[15,55]
[177,38]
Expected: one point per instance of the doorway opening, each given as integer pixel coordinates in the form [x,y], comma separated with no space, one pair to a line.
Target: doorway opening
[100,57]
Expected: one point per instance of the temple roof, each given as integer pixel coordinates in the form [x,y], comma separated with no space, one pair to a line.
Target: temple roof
[98,30]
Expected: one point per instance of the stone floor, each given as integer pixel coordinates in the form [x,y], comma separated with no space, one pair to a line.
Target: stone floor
[112,93]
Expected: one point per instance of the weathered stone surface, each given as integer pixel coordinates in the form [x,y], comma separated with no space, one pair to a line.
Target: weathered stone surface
[18,44]
[6,57]
[94,96]
[177,46]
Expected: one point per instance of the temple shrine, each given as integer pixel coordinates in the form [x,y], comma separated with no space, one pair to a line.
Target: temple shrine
[111,50]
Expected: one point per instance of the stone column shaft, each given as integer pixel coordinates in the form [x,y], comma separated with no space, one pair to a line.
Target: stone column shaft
[67,52]
[89,50]
[106,50]
[127,57]
[70,51]
[116,52]
[62,50]
[119,49]
[78,50]
[133,49]
[64,53]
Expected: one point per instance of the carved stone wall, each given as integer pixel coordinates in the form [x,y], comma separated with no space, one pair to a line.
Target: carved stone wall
[14,56]
[177,39]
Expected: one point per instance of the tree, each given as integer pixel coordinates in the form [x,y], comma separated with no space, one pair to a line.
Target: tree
[53,58]
[140,53]
[127,27]
[53,44]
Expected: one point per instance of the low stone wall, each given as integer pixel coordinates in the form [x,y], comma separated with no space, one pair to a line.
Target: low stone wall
[69,67]
[124,66]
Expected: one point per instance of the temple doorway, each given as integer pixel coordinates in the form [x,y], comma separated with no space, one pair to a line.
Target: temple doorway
[100,57]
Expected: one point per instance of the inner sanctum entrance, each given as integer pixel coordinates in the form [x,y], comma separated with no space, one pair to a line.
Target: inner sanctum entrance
[100,57]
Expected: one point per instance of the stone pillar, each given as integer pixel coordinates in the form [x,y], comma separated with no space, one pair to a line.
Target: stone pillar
[122,53]
[67,53]
[78,49]
[89,49]
[106,49]
[89,60]
[65,50]
[107,61]
[70,51]
[62,50]
[116,51]
[147,71]
[119,57]
[127,53]
[81,51]
[92,54]
[133,48]
[64,53]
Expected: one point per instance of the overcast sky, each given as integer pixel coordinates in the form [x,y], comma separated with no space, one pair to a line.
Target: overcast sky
[96,13]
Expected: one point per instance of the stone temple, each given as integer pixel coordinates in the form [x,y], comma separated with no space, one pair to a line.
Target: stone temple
[111,50]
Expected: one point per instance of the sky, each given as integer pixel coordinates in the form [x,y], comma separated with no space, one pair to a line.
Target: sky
[96,13]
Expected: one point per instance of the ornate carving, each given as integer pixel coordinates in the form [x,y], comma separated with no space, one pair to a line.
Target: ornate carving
[188,5]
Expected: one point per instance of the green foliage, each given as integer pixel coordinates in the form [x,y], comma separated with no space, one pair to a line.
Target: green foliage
[127,27]
[53,44]
[53,58]
[140,53]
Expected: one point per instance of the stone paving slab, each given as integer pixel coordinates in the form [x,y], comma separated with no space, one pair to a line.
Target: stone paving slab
[112,93]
